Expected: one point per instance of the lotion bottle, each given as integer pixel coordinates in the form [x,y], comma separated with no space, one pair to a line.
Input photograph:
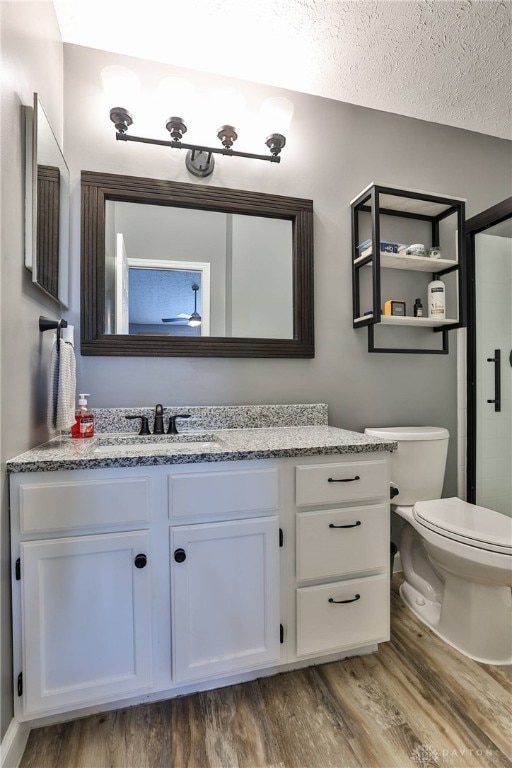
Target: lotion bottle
[436,300]
[84,424]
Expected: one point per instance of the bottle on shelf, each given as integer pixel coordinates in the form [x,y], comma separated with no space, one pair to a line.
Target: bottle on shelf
[436,300]
[418,308]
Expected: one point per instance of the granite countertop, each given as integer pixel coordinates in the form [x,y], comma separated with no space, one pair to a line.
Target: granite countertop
[129,450]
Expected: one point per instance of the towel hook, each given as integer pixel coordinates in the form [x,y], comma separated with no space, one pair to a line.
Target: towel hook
[45,324]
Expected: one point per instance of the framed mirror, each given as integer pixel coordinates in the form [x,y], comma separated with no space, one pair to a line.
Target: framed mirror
[46,206]
[172,269]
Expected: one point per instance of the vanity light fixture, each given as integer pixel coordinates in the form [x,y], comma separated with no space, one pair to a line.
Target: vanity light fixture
[275,117]
[195,317]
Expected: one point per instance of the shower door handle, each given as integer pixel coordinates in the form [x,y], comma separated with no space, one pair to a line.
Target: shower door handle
[497,379]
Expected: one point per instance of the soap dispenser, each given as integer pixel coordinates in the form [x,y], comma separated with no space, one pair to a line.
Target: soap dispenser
[84,424]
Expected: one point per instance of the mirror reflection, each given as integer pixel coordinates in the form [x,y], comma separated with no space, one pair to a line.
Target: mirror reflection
[151,289]
[241,265]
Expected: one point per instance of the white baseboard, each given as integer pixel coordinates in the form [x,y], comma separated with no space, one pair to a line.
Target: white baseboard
[13,744]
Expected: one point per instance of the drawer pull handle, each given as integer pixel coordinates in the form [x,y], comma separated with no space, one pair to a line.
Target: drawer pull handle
[339,602]
[351,525]
[344,480]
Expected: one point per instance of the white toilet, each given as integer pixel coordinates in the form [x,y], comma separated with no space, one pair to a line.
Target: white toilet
[456,557]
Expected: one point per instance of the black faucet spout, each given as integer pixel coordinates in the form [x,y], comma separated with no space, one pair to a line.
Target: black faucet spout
[158,426]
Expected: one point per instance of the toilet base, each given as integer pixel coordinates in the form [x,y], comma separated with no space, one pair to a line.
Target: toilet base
[430,613]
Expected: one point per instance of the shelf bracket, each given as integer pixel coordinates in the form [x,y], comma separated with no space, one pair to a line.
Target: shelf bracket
[400,350]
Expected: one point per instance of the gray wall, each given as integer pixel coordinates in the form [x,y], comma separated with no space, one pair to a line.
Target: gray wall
[31,60]
[333,151]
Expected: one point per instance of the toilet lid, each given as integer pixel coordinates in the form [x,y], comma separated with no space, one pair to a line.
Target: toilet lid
[468,523]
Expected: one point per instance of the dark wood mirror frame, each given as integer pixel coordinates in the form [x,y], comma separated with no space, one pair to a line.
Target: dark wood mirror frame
[97,188]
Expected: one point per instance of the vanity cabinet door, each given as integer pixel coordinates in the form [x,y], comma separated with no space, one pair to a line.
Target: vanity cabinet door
[225,597]
[86,608]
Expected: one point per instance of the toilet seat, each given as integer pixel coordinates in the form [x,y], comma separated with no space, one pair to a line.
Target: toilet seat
[467,523]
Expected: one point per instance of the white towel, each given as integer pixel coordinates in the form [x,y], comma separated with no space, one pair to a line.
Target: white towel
[62,386]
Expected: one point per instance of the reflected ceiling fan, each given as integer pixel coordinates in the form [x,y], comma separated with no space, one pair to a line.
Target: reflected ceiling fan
[183,318]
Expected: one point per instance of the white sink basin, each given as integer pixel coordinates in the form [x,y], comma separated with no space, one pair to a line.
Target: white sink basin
[157,448]
[114,445]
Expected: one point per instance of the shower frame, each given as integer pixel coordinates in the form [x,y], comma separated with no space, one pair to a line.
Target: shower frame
[474,226]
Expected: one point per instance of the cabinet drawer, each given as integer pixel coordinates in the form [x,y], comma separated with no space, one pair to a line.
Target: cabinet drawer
[334,483]
[341,541]
[224,492]
[324,626]
[61,505]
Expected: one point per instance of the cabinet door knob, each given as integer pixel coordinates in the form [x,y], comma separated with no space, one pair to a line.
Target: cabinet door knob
[180,555]
[140,561]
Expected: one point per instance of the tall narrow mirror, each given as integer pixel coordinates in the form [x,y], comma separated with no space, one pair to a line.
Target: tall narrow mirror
[46,206]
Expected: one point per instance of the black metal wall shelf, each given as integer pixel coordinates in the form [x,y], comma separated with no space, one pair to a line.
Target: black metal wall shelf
[385,200]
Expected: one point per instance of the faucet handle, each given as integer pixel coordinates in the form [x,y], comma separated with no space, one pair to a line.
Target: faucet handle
[144,424]
[172,430]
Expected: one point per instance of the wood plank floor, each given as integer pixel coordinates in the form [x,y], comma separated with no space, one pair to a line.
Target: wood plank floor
[417,703]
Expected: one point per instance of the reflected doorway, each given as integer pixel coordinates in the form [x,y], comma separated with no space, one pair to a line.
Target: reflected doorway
[158,297]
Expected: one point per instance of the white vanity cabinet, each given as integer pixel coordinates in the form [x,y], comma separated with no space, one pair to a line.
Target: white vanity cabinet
[225,578]
[138,583]
[342,555]
[82,598]
[225,605]
[86,610]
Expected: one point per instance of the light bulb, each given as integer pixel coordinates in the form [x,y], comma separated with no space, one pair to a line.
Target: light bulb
[224,106]
[195,318]
[176,97]
[276,115]
[122,87]
[228,106]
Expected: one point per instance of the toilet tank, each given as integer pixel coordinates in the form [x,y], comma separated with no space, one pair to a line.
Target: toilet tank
[418,466]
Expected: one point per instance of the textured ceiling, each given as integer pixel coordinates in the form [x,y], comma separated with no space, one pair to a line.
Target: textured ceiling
[441,60]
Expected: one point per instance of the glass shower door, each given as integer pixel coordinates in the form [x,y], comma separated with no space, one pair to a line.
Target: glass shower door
[493,367]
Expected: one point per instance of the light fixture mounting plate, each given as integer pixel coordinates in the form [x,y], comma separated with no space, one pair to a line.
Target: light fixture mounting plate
[199,163]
